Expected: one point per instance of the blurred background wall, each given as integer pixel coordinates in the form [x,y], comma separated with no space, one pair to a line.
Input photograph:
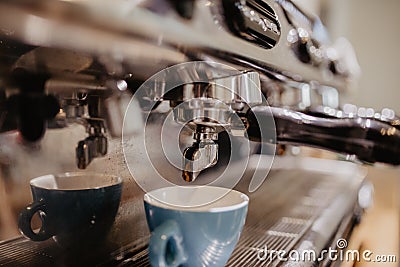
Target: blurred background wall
[372,27]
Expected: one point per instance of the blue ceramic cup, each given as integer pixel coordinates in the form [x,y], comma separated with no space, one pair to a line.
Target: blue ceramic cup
[77,209]
[194,226]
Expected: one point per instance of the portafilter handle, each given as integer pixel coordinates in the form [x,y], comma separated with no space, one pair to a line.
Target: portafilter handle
[370,140]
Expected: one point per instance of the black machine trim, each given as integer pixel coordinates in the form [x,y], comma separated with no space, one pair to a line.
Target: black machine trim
[253,20]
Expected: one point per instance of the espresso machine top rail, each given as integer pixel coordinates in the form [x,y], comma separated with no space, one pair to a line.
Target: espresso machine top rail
[124,32]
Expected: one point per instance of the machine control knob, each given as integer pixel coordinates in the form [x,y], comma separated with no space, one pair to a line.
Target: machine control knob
[299,39]
[305,47]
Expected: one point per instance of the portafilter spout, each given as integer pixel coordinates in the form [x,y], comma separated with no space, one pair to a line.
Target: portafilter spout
[210,108]
[202,154]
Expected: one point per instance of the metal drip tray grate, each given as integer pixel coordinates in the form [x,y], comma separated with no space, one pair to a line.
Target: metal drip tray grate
[281,236]
[21,252]
[277,219]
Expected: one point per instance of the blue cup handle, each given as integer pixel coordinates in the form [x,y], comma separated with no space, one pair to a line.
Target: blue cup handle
[25,217]
[166,246]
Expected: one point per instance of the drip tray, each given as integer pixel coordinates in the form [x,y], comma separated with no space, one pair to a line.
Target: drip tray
[281,214]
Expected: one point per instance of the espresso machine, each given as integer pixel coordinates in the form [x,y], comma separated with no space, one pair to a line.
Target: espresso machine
[206,89]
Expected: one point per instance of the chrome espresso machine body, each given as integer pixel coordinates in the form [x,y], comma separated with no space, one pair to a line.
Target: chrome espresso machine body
[69,70]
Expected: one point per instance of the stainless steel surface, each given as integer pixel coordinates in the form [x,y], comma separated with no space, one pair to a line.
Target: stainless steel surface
[205,33]
[204,111]
[228,85]
[210,108]
[386,115]
[65,64]
[367,139]
[116,47]
[93,146]
[201,155]
[23,252]
[278,219]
